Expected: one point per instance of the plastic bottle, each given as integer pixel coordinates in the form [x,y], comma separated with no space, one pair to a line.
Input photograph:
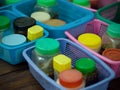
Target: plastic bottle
[111,38]
[35,32]
[88,68]
[71,79]
[91,41]
[85,3]
[42,55]
[21,24]
[60,63]
[47,6]
[4,24]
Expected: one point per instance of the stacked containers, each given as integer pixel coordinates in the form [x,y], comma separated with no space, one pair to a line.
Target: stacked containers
[74,51]
[66,12]
[13,54]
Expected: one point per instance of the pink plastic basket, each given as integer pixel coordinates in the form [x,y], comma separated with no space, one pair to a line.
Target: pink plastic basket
[98,27]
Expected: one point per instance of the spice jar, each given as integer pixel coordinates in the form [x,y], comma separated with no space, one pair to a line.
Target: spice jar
[4,25]
[47,6]
[90,40]
[71,79]
[88,68]
[60,63]
[111,38]
[42,55]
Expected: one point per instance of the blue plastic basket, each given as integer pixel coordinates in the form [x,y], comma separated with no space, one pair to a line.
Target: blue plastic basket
[13,55]
[73,15]
[75,52]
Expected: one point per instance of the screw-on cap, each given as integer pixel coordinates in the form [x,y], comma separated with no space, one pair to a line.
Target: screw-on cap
[11,1]
[70,78]
[46,3]
[85,65]
[47,46]
[5,22]
[82,2]
[112,54]
[113,30]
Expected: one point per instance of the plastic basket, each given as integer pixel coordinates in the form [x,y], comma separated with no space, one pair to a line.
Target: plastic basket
[98,27]
[109,14]
[73,15]
[75,52]
[13,55]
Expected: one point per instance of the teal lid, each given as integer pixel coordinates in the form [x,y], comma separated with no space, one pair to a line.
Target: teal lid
[113,30]
[4,22]
[46,3]
[85,65]
[11,1]
[47,46]
[82,2]
[13,39]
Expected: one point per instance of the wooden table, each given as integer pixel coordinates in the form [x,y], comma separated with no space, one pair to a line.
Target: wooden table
[18,77]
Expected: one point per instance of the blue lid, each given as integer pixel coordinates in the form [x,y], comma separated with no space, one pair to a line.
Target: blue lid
[13,39]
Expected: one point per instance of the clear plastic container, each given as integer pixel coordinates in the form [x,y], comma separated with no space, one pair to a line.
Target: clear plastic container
[71,79]
[88,68]
[91,40]
[46,6]
[42,55]
[111,39]
[61,63]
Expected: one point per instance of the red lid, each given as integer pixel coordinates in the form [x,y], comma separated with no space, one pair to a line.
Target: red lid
[112,53]
[70,78]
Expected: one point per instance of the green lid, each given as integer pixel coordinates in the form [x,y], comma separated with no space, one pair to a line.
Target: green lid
[46,3]
[5,22]
[85,65]
[47,46]
[11,1]
[82,2]
[113,30]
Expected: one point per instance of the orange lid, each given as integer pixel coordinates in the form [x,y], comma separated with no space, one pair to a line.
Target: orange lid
[70,78]
[112,53]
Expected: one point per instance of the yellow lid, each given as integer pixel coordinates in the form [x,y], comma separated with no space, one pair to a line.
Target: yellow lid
[34,32]
[90,40]
[61,63]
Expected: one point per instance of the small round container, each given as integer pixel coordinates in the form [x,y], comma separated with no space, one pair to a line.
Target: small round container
[55,22]
[112,53]
[85,3]
[42,55]
[14,39]
[4,25]
[111,39]
[88,68]
[91,41]
[35,32]
[22,24]
[7,2]
[61,63]
[41,16]
[71,79]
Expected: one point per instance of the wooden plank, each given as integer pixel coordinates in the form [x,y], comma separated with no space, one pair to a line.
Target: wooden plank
[19,80]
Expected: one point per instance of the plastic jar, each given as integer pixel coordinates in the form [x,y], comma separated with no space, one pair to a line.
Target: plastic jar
[21,25]
[14,39]
[42,55]
[90,40]
[4,25]
[88,68]
[112,53]
[60,63]
[71,79]
[47,6]
[7,2]
[111,38]
[85,3]
[35,32]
